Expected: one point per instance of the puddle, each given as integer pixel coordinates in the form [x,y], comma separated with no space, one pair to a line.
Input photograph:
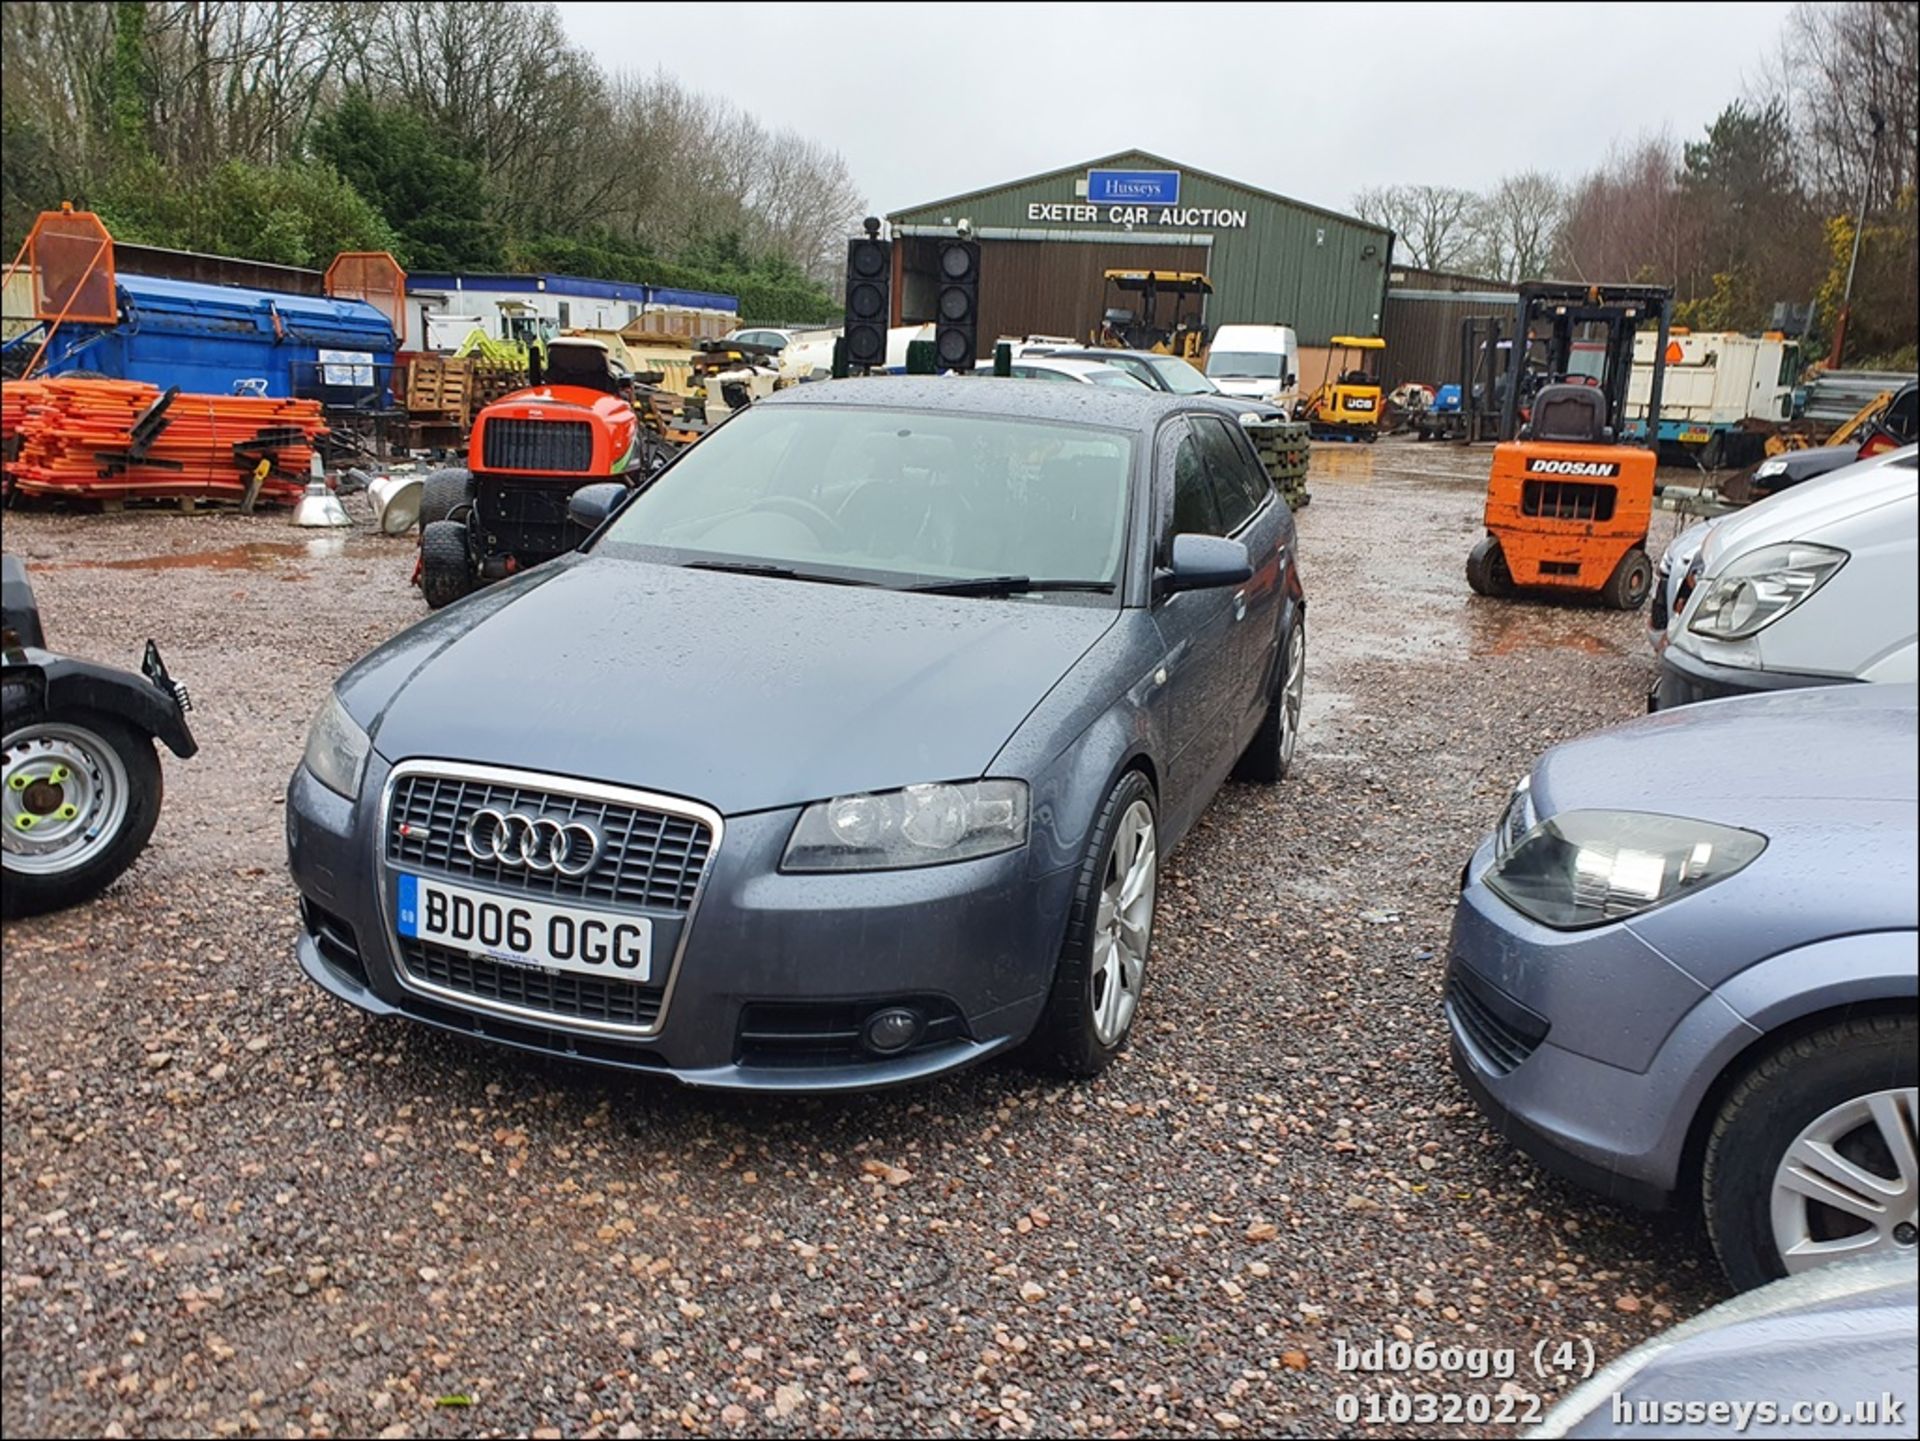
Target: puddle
[254,555]
[1501,627]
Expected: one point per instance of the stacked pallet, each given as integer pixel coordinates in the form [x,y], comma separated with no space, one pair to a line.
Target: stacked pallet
[1284,447]
[440,388]
[113,440]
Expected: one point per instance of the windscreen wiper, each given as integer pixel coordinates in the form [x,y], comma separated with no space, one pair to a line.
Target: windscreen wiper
[1010,585]
[775,572]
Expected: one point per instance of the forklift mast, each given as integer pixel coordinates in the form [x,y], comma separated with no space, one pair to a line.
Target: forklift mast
[1567,308]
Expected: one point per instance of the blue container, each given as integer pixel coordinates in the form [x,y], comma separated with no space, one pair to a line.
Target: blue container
[208,338]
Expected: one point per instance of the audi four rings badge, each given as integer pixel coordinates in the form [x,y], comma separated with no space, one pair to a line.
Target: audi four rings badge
[536,843]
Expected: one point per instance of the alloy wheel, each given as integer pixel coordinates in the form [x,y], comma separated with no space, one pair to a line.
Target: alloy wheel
[1123,925]
[1293,692]
[63,798]
[1849,1183]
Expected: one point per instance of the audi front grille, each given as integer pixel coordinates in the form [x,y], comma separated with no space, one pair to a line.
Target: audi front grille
[558,445]
[650,859]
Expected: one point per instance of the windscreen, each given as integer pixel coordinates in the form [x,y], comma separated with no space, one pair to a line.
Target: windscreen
[891,497]
[1247,364]
[1183,379]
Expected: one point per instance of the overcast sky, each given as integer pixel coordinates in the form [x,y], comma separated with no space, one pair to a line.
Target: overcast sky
[1312,101]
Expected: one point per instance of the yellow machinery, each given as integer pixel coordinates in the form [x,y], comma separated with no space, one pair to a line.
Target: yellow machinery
[1184,333]
[1347,404]
[1783,441]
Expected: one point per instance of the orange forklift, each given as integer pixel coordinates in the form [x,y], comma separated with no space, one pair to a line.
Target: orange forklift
[1571,492]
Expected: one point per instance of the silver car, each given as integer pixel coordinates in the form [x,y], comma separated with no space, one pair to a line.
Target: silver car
[1684,965]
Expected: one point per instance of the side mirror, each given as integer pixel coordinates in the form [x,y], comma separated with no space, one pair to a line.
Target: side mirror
[588,506]
[1204,562]
[1291,381]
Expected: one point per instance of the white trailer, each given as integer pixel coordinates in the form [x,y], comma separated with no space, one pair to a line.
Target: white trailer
[1722,391]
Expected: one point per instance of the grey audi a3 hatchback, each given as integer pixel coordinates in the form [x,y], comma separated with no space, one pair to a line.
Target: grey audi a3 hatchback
[844,753]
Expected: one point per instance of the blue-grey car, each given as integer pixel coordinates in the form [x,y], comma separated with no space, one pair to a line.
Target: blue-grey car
[843,753]
[1685,962]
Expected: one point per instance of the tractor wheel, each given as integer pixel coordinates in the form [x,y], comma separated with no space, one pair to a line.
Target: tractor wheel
[443,492]
[1631,582]
[1487,572]
[446,570]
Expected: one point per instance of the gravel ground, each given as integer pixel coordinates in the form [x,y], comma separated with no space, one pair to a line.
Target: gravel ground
[232,1205]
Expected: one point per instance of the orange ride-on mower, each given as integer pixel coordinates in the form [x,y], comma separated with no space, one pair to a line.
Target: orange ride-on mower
[1571,493]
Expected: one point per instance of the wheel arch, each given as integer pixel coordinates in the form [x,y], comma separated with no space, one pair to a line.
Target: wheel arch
[1863,980]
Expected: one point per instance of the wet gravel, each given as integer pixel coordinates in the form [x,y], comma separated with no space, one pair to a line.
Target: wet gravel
[233,1206]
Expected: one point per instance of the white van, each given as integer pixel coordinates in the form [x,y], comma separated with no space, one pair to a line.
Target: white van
[1817,585]
[1255,362]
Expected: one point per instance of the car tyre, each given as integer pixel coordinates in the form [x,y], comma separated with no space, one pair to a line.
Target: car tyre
[1269,757]
[1631,582]
[1087,1022]
[1487,572]
[1804,1100]
[73,758]
[443,493]
[446,570]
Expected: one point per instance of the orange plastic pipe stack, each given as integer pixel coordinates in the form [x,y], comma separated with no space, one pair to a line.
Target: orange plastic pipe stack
[73,435]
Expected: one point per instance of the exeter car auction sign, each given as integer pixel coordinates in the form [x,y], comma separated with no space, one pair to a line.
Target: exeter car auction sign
[1136,197]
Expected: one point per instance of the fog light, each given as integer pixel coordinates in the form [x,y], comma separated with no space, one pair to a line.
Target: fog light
[893,1029]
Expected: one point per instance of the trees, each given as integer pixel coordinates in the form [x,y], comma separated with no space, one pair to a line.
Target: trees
[467,133]
[1517,226]
[1432,224]
[436,201]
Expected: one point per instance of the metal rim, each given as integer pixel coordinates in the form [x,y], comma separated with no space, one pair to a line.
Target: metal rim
[65,793]
[1123,924]
[1848,1184]
[1293,692]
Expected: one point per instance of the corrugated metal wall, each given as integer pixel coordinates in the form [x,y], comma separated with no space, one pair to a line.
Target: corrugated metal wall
[1292,264]
[1422,331]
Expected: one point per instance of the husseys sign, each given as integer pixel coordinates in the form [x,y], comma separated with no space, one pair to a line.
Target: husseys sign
[1136,197]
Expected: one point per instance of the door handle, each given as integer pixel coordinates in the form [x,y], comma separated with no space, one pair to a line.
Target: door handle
[1239,605]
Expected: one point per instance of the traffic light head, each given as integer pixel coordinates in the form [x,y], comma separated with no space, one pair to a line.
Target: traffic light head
[869,274]
[957,309]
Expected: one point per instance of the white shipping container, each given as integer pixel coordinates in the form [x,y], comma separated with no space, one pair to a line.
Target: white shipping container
[1715,380]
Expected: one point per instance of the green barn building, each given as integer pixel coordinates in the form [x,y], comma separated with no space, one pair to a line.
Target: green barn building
[1046,242]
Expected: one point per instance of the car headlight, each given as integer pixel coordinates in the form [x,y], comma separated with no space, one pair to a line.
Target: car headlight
[1756,590]
[337,749]
[1516,820]
[1770,468]
[918,826]
[1586,868]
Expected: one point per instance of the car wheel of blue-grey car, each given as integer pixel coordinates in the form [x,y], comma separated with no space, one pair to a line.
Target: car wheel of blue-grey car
[1814,1157]
[1103,965]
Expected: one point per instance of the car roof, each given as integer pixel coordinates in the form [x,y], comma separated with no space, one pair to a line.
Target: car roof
[1065,364]
[1100,354]
[1112,406]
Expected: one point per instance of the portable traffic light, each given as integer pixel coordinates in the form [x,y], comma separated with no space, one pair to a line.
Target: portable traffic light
[869,274]
[957,313]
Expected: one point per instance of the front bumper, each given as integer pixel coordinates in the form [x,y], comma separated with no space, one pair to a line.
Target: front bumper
[1595,1089]
[1684,678]
[972,944]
